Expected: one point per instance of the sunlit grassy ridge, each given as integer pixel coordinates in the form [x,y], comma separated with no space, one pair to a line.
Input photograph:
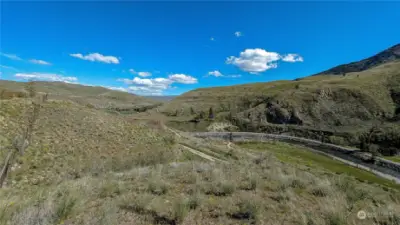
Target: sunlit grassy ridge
[338,109]
[369,90]
[98,97]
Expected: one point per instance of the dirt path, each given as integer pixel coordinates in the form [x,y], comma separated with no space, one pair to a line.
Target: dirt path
[194,151]
[203,155]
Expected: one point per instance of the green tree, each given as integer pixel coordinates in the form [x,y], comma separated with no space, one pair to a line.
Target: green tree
[201,115]
[211,113]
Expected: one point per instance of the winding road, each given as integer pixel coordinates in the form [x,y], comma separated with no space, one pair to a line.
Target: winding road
[386,169]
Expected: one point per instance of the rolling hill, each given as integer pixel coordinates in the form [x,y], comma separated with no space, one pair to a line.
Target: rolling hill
[87,166]
[97,97]
[339,109]
[388,55]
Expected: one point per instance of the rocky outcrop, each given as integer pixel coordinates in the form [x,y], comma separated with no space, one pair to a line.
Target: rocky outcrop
[385,56]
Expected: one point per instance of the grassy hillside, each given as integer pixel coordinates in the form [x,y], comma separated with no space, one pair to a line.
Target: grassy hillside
[97,97]
[70,139]
[333,105]
[87,166]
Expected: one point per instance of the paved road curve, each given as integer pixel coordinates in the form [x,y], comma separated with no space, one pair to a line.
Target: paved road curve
[383,168]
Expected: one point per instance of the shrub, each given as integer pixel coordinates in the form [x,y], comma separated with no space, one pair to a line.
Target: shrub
[109,189]
[194,201]
[250,182]
[135,203]
[322,189]
[180,210]
[64,207]
[220,188]
[297,183]
[337,140]
[157,187]
[335,219]
[247,209]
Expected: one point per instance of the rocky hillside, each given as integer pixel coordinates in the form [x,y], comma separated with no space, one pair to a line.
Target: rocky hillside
[340,109]
[388,55]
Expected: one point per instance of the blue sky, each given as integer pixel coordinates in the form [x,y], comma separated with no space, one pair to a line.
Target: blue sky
[167,48]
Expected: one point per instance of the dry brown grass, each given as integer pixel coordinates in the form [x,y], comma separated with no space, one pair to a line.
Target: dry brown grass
[90,96]
[71,140]
[264,191]
[91,167]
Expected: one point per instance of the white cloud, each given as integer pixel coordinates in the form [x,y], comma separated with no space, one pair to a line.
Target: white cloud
[97,57]
[144,74]
[117,88]
[212,39]
[215,73]
[145,90]
[157,83]
[182,78]
[40,62]
[46,77]
[292,58]
[238,34]
[156,86]
[254,60]
[11,56]
[147,86]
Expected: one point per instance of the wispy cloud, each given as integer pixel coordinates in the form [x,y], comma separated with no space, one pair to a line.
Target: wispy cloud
[8,67]
[117,88]
[234,75]
[182,78]
[156,86]
[46,77]
[259,60]
[292,58]
[11,56]
[142,74]
[97,57]
[40,62]
[215,73]
[238,34]
[35,61]
[212,39]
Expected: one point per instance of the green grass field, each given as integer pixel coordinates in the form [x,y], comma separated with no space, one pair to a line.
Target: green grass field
[393,158]
[300,156]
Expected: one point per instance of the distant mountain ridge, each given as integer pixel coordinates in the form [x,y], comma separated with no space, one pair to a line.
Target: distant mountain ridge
[388,55]
[163,98]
